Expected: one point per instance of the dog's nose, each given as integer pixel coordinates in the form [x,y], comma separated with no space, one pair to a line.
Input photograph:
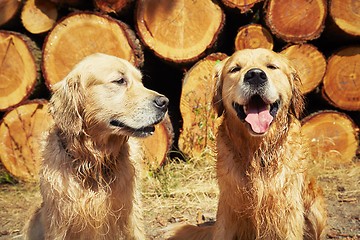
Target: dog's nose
[255,76]
[161,102]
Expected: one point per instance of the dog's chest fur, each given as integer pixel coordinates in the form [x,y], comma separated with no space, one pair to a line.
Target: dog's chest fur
[268,183]
[79,204]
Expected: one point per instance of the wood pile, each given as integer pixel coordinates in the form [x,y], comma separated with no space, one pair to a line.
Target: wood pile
[176,43]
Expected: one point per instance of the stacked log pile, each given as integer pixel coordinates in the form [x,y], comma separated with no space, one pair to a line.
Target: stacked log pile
[176,43]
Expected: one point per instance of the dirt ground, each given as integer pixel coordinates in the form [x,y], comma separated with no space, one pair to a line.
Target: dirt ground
[188,192]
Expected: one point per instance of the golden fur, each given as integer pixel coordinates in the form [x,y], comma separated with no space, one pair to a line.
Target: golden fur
[88,176]
[261,158]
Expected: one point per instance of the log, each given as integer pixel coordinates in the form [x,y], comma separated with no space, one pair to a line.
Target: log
[296,21]
[21,132]
[19,69]
[112,6]
[333,137]
[345,14]
[39,16]
[9,10]
[253,36]
[157,146]
[81,34]
[179,31]
[243,5]
[310,64]
[341,84]
[199,118]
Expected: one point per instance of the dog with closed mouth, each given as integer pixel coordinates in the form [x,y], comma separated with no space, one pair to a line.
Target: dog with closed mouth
[265,192]
[88,178]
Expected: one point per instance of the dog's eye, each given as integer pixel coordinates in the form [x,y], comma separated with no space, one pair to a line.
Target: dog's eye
[235,69]
[272,66]
[120,81]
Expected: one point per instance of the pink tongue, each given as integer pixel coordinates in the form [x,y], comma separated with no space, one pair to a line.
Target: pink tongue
[259,118]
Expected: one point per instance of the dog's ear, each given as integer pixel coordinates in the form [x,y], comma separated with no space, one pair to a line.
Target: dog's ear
[66,104]
[297,99]
[217,97]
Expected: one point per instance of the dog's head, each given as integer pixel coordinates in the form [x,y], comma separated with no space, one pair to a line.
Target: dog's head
[104,95]
[258,86]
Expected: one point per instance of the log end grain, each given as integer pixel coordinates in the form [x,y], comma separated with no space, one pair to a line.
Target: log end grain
[199,118]
[81,34]
[19,68]
[112,6]
[310,64]
[333,137]
[21,132]
[179,31]
[8,10]
[346,15]
[253,36]
[341,84]
[243,5]
[39,16]
[157,146]
[296,21]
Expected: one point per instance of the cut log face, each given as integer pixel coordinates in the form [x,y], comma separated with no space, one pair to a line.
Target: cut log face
[82,34]
[309,63]
[199,118]
[243,5]
[253,36]
[333,137]
[177,30]
[296,20]
[341,81]
[18,69]
[346,15]
[8,10]
[157,146]
[21,132]
[39,16]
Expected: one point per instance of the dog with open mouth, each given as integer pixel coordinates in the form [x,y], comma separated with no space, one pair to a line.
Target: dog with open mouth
[265,192]
[88,179]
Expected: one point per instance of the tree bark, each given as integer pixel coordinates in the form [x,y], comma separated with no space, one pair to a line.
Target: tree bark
[332,135]
[179,31]
[341,84]
[199,118]
[21,132]
[39,16]
[253,36]
[346,15]
[242,5]
[81,34]
[296,21]
[157,146]
[310,64]
[19,68]
[9,10]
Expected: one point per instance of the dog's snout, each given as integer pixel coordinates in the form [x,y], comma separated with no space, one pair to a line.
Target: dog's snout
[161,102]
[255,76]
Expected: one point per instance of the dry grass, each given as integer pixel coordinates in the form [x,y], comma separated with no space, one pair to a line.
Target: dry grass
[180,192]
[187,192]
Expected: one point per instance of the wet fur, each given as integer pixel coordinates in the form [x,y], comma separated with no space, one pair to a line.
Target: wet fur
[264,190]
[89,169]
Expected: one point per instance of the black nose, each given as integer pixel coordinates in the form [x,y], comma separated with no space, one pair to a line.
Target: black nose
[255,76]
[161,102]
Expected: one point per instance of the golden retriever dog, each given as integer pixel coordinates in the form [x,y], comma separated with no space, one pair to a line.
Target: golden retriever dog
[89,167]
[261,154]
